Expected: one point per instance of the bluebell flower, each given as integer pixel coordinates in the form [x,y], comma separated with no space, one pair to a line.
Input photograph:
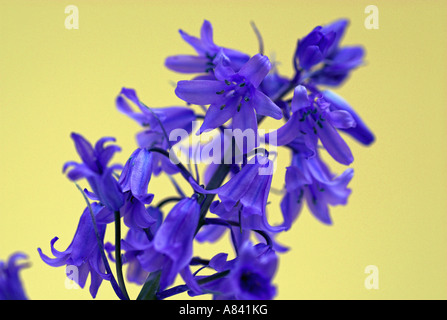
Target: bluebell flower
[83,252]
[11,286]
[134,181]
[322,45]
[314,120]
[361,132]
[171,248]
[96,170]
[233,95]
[207,51]
[160,122]
[250,274]
[314,48]
[338,67]
[310,180]
[136,175]
[247,192]
[137,239]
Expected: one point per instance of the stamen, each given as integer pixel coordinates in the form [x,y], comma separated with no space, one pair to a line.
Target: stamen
[239,107]
[220,92]
[222,107]
[247,99]
[242,85]
[227,82]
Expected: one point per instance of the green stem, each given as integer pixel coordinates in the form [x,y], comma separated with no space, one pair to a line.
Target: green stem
[119,264]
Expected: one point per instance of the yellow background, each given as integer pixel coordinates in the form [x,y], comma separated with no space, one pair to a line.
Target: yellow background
[54,81]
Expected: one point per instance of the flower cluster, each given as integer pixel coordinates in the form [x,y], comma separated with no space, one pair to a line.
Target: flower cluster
[229,92]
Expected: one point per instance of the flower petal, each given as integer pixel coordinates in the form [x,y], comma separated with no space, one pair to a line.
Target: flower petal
[318,208]
[334,144]
[300,98]
[201,92]
[187,63]
[361,132]
[194,42]
[141,173]
[310,57]
[85,151]
[245,129]
[256,69]
[291,205]
[341,119]
[206,34]
[265,106]
[218,114]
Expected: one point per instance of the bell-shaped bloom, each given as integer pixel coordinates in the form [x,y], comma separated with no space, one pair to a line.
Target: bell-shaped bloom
[320,44]
[137,239]
[337,61]
[250,274]
[314,48]
[314,120]
[134,181]
[310,180]
[206,50]
[11,286]
[83,256]
[249,189]
[95,169]
[338,67]
[233,95]
[136,175]
[160,123]
[171,248]
[361,132]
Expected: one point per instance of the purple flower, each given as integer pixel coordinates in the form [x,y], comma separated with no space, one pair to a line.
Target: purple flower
[311,180]
[172,246]
[247,192]
[233,95]
[95,169]
[160,121]
[337,67]
[250,276]
[11,287]
[338,61]
[314,120]
[134,181]
[314,48]
[83,252]
[361,131]
[136,175]
[206,50]
[135,242]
